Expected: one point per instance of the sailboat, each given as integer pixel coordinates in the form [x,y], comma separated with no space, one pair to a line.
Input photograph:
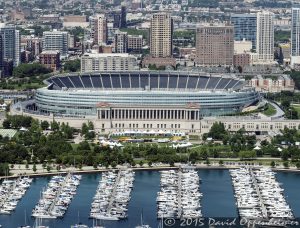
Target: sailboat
[38,223]
[142,223]
[95,224]
[25,226]
[79,224]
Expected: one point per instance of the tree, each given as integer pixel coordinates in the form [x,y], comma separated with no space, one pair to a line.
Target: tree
[221,162]
[133,163]
[286,164]
[4,169]
[48,168]
[217,131]
[298,165]
[72,65]
[149,163]
[45,125]
[26,166]
[95,165]
[34,168]
[141,163]
[207,162]
[114,164]
[273,164]
[285,155]
[171,163]
[6,124]
[30,70]
[285,104]
[54,126]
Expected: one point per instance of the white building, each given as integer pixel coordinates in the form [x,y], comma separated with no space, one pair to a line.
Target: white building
[98,24]
[161,35]
[91,62]
[10,43]
[295,36]
[265,36]
[240,47]
[56,41]
[121,42]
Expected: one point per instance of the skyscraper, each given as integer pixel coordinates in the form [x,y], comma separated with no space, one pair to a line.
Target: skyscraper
[123,17]
[214,45]
[11,43]
[161,34]
[295,34]
[1,55]
[265,36]
[245,27]
[121,41]
[56,41]
[99,29]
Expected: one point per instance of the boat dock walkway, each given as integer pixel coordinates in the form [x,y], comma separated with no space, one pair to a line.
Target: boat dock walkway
[259,195]
[113,193]
[67,178]
[261,201]
[179,194]
[9,193]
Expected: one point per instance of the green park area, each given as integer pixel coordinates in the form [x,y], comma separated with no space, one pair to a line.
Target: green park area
[51,144]
[269,110]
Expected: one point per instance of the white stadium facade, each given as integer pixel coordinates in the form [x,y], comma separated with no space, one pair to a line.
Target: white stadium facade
[144,101]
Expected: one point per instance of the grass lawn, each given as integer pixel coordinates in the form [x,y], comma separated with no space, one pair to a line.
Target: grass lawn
[297,108]
[270,111]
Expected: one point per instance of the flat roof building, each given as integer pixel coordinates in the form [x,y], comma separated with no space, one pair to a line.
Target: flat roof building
[91,62]
[214,45]
[161,35]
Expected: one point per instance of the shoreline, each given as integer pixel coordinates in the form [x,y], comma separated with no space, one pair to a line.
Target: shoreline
[156,168]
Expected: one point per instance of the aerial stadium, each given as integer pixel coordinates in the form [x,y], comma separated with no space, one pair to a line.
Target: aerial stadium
[143,99]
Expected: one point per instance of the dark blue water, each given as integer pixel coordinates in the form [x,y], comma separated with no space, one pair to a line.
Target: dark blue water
[217,202]
[291,185]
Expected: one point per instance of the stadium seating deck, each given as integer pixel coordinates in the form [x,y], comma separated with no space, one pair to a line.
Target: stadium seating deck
[143,80]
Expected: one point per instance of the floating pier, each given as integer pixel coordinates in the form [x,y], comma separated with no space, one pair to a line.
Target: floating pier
[179,196]
[11,192]
[112,195]
[259,195]
[56,198]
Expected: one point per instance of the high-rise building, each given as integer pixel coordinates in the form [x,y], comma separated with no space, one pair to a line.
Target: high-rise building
[123,17]
[161,34]
[135,43]
[32,44]
[295,35]
[121,42]
[1,56]
[245,27]
[214,45]
[56,41]
[265,36]
[91,62]
[11,43]
[99,29]
[50,59]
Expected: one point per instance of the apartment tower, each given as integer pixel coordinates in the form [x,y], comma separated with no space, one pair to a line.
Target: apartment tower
[161,33]
[214,45]
[265,36]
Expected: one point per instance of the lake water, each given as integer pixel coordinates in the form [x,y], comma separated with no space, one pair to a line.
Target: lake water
[217,202]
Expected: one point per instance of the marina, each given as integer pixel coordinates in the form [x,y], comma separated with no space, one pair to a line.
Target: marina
[112,195]
[179,196]
[217,201]
[11,192]
[56,198]
[259,195]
